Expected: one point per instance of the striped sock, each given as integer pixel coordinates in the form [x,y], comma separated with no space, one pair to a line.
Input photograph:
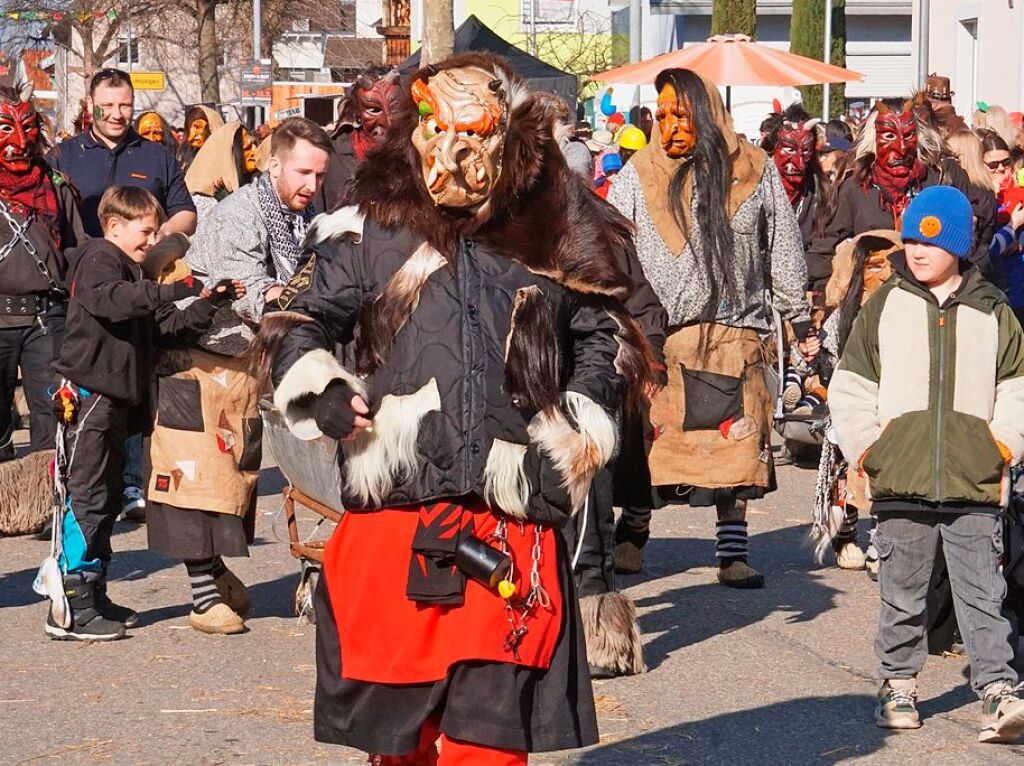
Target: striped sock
[204,589]
[732,540]
[848,531]
[219,567]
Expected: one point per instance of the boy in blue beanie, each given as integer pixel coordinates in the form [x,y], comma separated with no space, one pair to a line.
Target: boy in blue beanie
[928,399]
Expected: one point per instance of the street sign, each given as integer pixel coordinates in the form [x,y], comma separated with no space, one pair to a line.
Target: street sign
[148,80]
[284,114]
[256,82]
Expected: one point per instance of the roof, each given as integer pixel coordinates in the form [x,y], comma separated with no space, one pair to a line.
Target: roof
[353,52]
[474,35]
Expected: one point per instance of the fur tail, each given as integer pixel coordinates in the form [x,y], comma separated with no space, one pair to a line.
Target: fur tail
[26,494]
[612,634]
[264,347]
[824,531]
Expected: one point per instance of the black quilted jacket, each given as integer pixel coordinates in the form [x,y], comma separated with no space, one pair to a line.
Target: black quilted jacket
[457,337]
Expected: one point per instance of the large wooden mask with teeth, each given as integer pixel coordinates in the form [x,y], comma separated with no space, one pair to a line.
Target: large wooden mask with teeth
[460,135]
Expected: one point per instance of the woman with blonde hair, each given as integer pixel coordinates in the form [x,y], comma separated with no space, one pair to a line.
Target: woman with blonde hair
[994,118]
[966,147]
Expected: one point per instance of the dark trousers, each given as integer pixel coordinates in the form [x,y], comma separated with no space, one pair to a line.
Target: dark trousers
[31,349]
[592,533]
[95,450]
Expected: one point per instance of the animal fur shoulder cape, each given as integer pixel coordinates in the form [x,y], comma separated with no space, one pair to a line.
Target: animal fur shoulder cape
[540,213]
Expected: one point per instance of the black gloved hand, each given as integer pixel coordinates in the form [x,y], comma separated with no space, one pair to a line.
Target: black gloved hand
[332,410]
[223,292]
[189,287]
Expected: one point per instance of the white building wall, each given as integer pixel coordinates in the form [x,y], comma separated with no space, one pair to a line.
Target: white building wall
[978,45]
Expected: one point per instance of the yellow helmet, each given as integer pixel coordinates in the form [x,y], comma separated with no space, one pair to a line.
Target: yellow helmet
[632,138]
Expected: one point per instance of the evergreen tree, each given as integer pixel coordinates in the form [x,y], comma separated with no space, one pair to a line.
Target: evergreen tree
[806,37]
[734,16]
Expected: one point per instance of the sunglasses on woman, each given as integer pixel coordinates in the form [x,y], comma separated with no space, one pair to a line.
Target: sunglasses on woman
[997,164]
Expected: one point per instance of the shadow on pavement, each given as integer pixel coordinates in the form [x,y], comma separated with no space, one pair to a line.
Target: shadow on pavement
[688,615]
[811,731]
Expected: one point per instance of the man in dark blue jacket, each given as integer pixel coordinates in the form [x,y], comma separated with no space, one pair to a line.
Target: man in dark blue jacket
[111,153]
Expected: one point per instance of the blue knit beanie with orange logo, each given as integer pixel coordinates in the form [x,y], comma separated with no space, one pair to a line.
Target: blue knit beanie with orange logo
[942,216]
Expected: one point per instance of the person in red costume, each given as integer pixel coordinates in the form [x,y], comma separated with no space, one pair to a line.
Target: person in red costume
[39,220]
[791,141]
[364,117]
[896,155]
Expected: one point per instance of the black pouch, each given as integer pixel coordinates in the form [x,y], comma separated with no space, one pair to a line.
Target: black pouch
[710,399]
[180,404]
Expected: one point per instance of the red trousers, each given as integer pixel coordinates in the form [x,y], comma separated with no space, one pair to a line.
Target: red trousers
[454,752]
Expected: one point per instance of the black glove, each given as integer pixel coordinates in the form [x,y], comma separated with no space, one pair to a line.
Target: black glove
[332,410]
[223,292]
[189,287]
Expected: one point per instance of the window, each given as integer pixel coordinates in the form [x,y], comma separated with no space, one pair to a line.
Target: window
[122,50]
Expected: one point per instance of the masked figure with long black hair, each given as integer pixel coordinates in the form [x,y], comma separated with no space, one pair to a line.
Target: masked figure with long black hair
[715,234]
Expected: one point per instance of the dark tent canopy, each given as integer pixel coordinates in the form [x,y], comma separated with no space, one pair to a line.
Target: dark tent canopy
[473,35]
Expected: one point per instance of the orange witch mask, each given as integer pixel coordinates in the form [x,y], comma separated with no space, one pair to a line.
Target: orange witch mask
[460,135]
[198,132]
[675,119]
[151,127]
[248,152]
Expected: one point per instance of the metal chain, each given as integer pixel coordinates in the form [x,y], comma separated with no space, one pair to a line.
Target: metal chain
[19,231]
[518,611]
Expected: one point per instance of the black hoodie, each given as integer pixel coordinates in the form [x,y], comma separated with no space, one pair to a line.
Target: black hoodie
[115,319]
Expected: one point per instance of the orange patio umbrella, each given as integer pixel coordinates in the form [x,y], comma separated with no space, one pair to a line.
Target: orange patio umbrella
[733,60]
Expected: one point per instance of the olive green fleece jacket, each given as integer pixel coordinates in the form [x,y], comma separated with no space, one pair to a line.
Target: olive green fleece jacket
[929,391]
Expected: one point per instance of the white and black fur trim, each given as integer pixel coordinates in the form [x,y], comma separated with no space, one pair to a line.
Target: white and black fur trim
[342,222]
[506,486]
[577,452]
[612,634]
[310,374]
[376,458]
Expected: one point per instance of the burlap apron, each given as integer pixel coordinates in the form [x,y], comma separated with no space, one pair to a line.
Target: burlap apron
[724,440]
[207,442]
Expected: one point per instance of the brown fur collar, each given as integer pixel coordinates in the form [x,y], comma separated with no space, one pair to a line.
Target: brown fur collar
[578,248]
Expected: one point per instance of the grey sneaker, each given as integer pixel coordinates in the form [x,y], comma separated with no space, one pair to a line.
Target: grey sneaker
[1002,713]
[897,705]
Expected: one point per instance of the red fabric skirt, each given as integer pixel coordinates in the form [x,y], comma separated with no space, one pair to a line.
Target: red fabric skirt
[387,638]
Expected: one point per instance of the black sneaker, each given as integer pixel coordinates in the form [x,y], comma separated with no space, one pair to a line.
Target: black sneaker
[87,624]
[111,611]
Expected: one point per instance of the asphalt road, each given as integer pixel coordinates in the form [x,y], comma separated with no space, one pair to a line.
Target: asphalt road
[779,676]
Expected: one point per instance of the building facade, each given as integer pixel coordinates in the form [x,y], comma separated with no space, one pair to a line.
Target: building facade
[978,45]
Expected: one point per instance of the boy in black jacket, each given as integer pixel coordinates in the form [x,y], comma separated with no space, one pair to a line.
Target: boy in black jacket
[116,318]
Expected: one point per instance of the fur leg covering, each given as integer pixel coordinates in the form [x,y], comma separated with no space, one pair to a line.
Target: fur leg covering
[614,646]
[26,494]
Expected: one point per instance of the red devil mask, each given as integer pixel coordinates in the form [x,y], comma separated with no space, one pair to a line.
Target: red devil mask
[896,142]
[375,105]
[897,170]
[793,155]
[19,135]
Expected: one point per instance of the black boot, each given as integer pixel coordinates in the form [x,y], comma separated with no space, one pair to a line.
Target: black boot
[737,573]
[631,535]
[87,624]
[111,611]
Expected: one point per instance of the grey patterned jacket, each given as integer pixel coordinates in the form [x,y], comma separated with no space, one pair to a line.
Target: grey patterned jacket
[680,279]
[231,242]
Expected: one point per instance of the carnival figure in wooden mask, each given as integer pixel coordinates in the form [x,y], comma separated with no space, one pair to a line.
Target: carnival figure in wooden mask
[460,135]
